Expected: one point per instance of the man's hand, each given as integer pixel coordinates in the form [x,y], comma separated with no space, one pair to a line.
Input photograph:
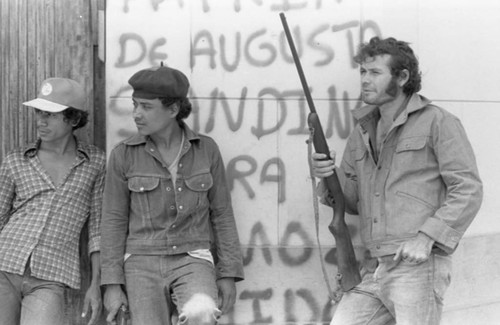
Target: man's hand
[227,293]
[93,303]
[114,298]
[321,166]
[415,250]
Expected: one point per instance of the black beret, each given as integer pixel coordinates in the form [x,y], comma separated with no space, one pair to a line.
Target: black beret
[159,82]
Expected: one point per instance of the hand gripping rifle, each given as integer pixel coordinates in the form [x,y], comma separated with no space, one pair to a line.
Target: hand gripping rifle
[348,272]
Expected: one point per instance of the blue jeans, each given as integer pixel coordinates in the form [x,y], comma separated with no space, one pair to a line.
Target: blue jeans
[27,300]
[161,286]
[402,293]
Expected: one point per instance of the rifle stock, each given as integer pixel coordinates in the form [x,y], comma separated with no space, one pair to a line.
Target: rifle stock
[348,272]
[346,259]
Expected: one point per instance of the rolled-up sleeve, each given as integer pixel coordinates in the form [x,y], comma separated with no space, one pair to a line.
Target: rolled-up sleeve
[94,224]
[7,191]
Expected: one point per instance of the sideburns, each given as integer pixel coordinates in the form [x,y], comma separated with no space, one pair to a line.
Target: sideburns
[392,87]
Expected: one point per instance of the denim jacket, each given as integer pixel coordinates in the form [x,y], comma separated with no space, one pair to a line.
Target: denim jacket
[424,179]
[144,212]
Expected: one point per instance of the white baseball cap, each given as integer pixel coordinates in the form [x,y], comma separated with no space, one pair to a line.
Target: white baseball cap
[57,94]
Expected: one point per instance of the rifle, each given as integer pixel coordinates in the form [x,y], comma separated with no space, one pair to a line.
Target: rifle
[348,272]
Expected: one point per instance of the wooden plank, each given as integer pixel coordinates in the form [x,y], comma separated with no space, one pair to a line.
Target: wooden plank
[13,99]
[31,80]
[86,55]
[62,26]
[22,35]
[94,7]
[99,83]
[50,40]
[4,117]
[99,103]
[40,44]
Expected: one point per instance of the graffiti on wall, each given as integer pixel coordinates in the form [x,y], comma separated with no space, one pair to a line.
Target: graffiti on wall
[237,101]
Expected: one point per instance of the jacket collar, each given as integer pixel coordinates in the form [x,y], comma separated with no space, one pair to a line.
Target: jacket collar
[143,139]
[367,113]
[81,150]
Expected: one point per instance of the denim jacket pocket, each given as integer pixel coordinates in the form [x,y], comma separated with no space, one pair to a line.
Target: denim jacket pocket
[412,153]
[412,143]
[200,184]
[145,194]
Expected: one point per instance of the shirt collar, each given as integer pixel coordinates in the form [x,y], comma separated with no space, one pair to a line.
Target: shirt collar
[369,112]
[32,149]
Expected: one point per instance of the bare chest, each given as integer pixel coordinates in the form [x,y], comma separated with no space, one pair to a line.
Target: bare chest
[57,166]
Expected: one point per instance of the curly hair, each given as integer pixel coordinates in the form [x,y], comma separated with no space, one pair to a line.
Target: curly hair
[402,57]
[76,117]
[185,106]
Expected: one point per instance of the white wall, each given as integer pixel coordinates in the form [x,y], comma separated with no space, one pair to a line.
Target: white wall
[246,93]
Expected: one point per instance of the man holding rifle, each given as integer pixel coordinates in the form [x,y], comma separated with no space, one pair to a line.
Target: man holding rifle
[410,173]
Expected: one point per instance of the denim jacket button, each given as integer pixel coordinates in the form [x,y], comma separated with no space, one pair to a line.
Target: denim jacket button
[174,247]
[180,207]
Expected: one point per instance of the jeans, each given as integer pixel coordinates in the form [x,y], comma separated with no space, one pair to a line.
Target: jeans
[26,300]
[160,286]
[397,293]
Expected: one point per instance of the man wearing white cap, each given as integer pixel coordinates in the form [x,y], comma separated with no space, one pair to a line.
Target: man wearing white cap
[48,191]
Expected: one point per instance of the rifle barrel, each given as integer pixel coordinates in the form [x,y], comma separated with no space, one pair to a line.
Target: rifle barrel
[295,56]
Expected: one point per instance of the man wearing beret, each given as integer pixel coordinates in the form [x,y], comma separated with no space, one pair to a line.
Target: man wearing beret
[48,191]
[166,204]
